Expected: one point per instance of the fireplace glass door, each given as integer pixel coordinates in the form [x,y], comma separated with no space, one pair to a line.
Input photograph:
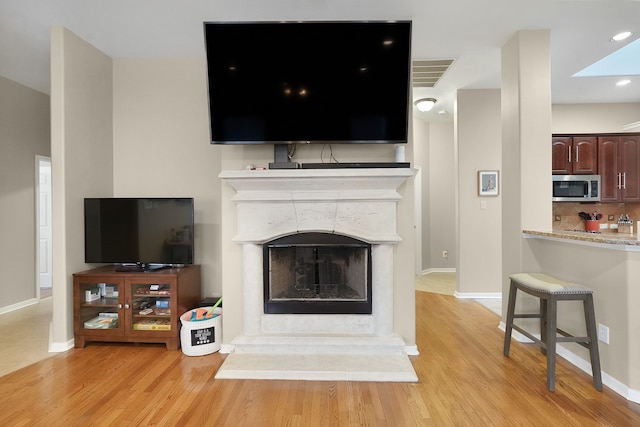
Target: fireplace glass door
[317,273]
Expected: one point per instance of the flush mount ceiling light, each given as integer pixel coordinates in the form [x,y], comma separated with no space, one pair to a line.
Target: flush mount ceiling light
[425,104]
[621,36]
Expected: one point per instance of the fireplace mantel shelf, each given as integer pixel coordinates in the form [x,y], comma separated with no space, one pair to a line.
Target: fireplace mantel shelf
[322,184]
[311,173]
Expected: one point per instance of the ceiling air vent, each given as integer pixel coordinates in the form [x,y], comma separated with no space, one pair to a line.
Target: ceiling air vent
[427,72]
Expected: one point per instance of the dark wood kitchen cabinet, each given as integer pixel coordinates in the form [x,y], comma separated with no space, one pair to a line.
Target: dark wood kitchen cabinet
[619,168]
[574,155]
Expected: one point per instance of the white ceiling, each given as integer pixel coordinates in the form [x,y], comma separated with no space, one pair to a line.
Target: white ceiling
[470,31]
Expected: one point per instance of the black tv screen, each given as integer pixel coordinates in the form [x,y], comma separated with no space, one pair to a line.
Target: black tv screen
[317,82]
[138,230]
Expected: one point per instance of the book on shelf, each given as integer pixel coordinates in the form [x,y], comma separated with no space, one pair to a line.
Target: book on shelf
[102,322]
[154,290]
[108,314]
[152,325]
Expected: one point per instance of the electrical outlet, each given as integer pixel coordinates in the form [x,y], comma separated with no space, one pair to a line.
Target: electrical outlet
[603,333]
[557,218]
[610,218]
[445,254]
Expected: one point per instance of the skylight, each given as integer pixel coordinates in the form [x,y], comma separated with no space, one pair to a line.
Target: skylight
[622,62]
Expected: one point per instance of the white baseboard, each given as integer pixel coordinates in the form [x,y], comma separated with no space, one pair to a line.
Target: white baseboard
[18,305]
[607,380]
[59,347]
[438,270]
[634,395]
[477,295]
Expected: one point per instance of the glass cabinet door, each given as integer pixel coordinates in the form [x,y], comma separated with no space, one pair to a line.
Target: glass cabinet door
[151,307]
[100,306]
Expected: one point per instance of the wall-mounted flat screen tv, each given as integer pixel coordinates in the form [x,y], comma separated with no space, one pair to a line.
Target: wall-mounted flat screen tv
[147,232]
[309,82]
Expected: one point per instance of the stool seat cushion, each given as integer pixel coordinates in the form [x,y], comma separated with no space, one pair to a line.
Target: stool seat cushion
[545,283]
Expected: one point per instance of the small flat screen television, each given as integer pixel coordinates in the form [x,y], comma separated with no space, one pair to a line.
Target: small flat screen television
[308,82]
[141,233]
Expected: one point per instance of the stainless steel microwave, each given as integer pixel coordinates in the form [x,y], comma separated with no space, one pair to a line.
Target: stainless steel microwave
[576,188]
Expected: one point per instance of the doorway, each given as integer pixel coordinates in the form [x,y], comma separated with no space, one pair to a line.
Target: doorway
[43,227]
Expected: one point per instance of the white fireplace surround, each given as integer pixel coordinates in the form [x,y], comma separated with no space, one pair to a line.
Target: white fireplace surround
[359,203]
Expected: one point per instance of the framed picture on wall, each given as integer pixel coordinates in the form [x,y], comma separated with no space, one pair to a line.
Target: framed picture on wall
[488,183]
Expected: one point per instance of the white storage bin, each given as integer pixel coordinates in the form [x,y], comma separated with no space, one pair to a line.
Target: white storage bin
[200,337]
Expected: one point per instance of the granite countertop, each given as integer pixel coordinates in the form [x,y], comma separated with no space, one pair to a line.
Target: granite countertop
[607,237]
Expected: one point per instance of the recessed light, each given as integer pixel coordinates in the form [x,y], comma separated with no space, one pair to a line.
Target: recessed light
[442,112]
[621,36]
[623,82]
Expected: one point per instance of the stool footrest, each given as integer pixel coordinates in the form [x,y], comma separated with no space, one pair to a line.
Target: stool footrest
[578,340]
[527,316]
[530,336]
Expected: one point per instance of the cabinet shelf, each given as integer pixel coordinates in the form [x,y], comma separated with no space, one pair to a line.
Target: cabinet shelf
[179,291]
[102,302]
[151,316]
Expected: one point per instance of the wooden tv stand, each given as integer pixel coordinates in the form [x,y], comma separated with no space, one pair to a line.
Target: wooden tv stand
[140,307]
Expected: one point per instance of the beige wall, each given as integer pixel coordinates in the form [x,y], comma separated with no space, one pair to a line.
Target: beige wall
[442,195]
[594,118]
[161,146]
[479,219]
[421,161]
[81,159]
[434,154]
[24,133]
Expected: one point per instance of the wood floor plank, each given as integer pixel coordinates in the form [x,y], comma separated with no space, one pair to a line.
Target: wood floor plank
[464,381]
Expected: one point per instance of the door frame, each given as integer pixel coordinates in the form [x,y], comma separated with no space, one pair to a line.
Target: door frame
[40,161]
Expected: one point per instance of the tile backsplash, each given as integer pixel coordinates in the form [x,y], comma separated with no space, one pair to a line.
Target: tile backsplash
[565,214]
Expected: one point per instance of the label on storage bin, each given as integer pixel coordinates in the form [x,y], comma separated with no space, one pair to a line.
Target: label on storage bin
[203,336]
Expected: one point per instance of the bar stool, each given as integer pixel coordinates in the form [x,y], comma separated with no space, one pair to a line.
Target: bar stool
[551,290]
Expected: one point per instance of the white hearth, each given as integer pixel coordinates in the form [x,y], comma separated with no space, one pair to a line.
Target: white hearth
[359,203]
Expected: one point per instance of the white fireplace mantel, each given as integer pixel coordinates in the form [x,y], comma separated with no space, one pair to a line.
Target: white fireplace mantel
[359,203]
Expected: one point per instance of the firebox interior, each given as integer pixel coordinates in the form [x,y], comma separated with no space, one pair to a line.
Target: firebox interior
[316,273]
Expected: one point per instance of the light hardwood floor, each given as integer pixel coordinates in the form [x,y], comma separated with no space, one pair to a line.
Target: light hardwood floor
[464,381]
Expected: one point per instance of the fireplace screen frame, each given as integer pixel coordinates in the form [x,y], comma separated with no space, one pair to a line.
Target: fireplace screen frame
[316,306]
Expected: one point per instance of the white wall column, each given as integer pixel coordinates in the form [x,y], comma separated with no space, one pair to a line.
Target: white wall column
[526,152]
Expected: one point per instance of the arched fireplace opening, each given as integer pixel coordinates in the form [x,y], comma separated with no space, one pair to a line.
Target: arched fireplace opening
[317,273]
